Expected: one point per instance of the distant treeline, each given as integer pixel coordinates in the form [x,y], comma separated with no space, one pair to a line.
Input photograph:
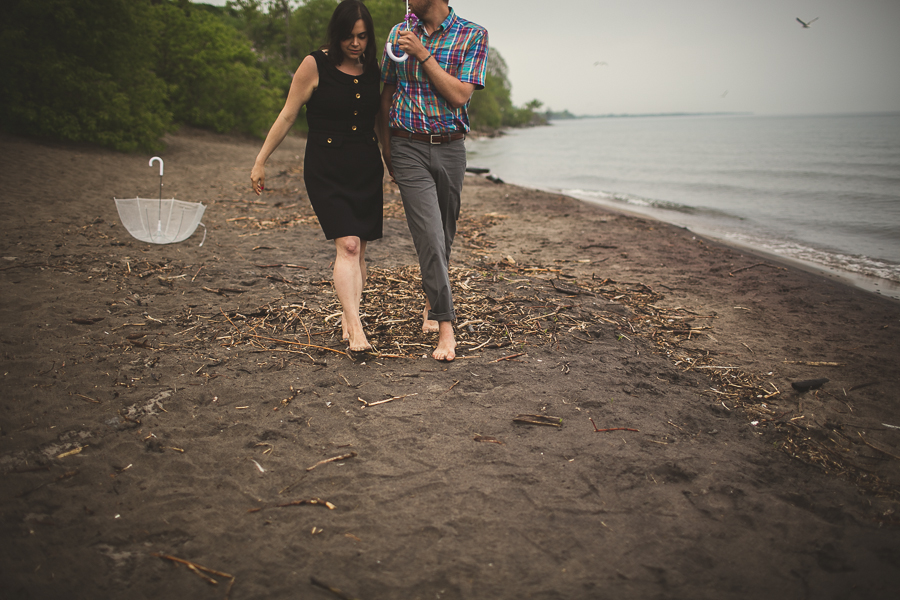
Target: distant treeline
[552,115]
[559,116]
[122,73]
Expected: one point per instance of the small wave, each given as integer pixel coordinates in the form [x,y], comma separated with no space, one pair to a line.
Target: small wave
[858,265]
[649,204]
[631,200]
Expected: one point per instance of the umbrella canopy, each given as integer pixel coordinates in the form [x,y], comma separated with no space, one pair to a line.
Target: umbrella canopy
[160,221]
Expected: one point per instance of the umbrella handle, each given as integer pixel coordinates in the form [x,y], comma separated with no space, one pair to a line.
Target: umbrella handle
[159,212]
[408,19]
[160,164]
[388,49]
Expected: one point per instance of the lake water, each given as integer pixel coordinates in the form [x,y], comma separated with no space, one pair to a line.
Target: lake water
[822,190]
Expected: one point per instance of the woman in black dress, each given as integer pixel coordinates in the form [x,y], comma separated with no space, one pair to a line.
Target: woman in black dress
[343,170]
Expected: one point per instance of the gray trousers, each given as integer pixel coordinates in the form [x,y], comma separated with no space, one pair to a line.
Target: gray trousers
[430,178]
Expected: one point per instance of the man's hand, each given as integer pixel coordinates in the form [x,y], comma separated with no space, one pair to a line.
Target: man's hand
[410,43]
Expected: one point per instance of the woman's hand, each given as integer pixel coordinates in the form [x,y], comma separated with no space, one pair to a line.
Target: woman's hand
[258,178]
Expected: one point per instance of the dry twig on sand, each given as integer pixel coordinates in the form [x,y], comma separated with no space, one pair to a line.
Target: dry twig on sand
[756,265]
[287,400]
[199,570]
[874,447]
[487,438]
[596,430]
[290,343]
[333,590]
[368,404]
[813,363]
[510,357]
[311,501]
[539,420]
[332,459]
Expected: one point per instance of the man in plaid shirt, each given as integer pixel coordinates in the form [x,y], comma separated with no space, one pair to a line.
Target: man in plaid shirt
[423,125]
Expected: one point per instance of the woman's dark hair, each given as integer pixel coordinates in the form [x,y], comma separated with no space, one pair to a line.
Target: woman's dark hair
[343,20]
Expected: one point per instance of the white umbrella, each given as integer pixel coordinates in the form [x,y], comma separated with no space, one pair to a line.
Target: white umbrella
[175,221]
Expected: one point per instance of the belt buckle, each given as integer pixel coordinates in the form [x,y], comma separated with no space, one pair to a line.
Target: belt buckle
[431,137]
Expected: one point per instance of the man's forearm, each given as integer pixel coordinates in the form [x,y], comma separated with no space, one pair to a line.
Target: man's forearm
[454,91]
[451,89]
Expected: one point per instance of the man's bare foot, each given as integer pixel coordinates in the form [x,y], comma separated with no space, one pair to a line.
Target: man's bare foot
[446,349]
[429,325]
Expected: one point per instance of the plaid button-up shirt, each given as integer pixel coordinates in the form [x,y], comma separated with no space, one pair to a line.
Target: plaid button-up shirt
[461,49]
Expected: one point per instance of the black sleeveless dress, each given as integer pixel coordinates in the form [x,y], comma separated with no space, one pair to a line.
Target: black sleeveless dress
[342,167]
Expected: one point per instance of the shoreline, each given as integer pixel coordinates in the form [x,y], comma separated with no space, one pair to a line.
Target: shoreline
[875,285]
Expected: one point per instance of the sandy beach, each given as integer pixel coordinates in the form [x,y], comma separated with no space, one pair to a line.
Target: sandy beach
[182,421]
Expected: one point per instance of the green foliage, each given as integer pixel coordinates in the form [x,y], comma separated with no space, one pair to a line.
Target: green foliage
[121,73]
[212,76]
[485,111]
[81,70]
[385,14]
[284,32]
[310,26]
[492,107]
[270,27]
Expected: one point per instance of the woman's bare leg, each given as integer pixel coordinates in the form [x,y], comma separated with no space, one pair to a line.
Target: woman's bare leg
[363,278]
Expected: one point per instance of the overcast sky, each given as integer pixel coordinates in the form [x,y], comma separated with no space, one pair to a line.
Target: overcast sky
[660,56]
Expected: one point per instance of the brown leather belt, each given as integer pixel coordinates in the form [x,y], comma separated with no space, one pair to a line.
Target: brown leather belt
[431,138]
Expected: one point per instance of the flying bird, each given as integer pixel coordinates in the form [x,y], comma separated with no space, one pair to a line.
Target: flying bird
[806,25]
[599,63]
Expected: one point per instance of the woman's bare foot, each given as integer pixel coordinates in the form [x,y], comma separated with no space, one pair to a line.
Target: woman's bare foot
[446,349]
[365,346]
[357,340]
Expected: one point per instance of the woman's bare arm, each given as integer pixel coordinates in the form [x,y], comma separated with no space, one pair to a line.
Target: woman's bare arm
[305,81]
